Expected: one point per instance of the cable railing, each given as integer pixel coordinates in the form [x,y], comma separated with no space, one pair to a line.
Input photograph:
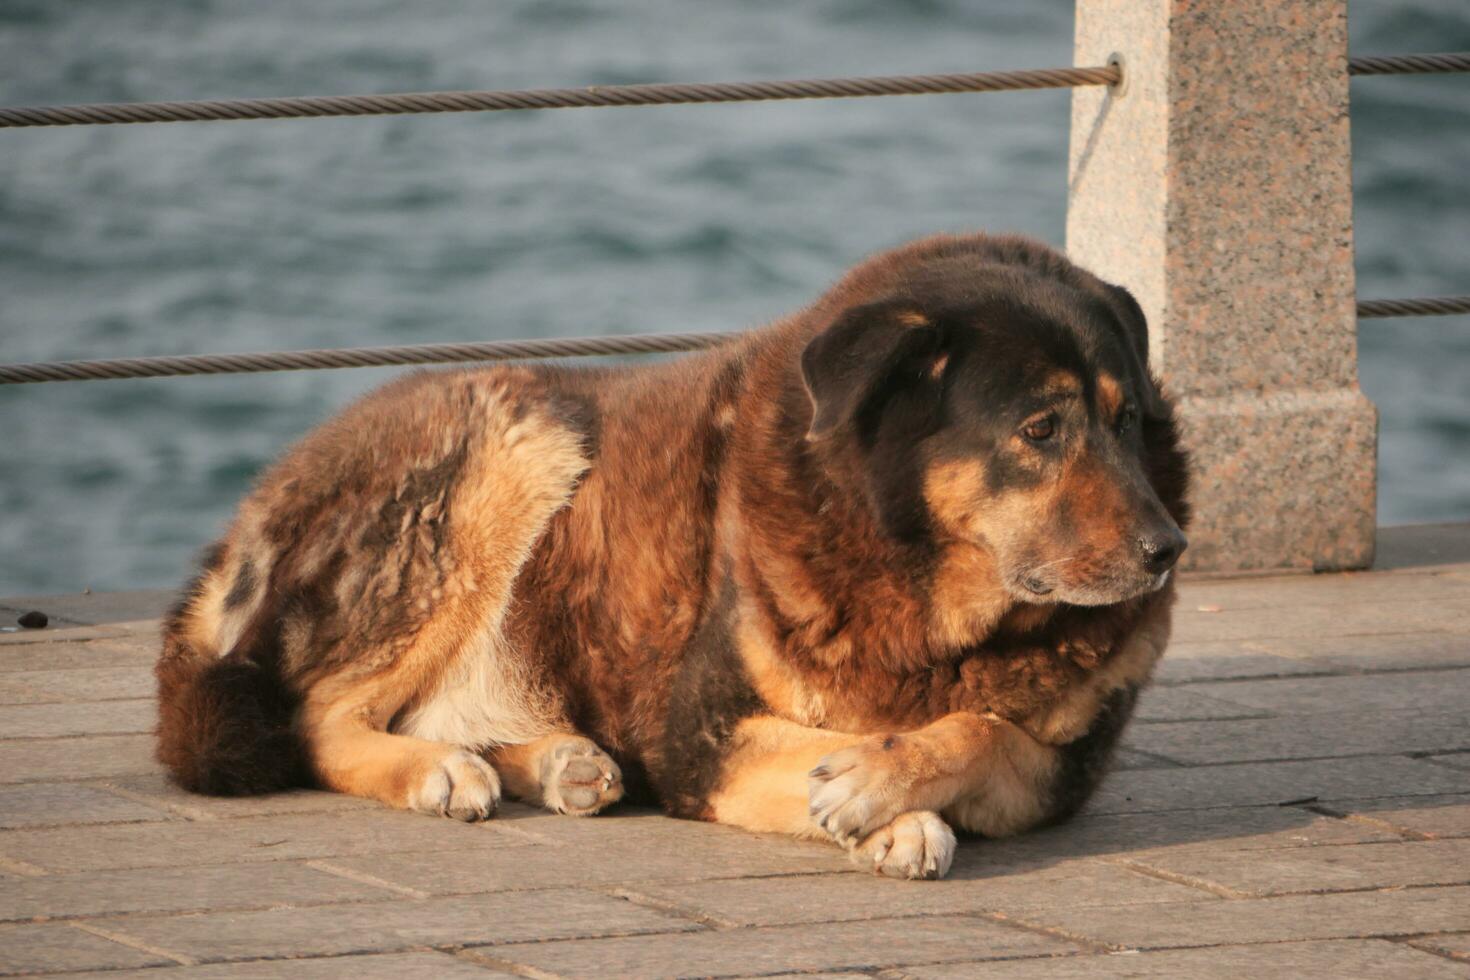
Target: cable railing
[499,350]
[609,96]
[591,96]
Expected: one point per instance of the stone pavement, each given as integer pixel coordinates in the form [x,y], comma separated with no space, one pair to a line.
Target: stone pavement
[1294,800]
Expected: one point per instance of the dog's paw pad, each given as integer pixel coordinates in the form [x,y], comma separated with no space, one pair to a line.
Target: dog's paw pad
[463,786]
[579,778]
[916,845]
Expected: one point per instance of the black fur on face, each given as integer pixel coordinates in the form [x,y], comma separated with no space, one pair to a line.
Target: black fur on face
[1039,379]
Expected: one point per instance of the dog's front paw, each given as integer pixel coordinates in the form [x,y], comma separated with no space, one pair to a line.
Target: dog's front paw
[462,786]
[856,790]
[914,845]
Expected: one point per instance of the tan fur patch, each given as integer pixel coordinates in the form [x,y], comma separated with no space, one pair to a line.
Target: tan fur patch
[1110,396]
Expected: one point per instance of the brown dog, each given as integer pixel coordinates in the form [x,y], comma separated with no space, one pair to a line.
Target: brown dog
[903,554]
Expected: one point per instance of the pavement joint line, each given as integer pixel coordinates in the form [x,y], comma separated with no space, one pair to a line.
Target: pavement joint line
[1365,889]
[1311,758]
[363,878]
[1276,760]
[1174,877]
[123,939]
[1170,682]
[1326,671]
[53,738]
[166,807]
[1404,797]
[1377,823]
[76,702]
[890,973]
[190,813]
[475,956]
[671,908]
[1449,954]
[77,824]
[507,828]
[193,910]
[1254,716]
[1053,932]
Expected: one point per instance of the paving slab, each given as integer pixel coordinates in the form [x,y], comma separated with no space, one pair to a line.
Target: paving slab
[49,654]
[243,886]
[1391,651]
[54,947]
[1188,662]
[1351,867]
[827,947]
[1217,829]
[14,636]
[1414,547]
[976,885]
[90,757]
[1271,783]
[400,925]
[1347,620]
[1366,732]
[97,608]
[99,718]
[1351,915]
[1189,704]
[1375,958]
[87,684]
[155,789]
[249,841]
[1269,592]
[1431,816]
[54,804]
[384,966]
[678,857]
[1426,690]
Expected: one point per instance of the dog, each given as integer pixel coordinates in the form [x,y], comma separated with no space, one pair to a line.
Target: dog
[896,564]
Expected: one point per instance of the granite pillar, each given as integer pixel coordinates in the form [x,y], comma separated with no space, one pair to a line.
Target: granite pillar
[1214,183]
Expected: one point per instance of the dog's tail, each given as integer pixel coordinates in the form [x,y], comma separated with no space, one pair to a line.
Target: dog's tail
[227,725]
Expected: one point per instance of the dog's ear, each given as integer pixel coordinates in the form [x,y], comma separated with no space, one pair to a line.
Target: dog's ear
[1135,334]
[846,364]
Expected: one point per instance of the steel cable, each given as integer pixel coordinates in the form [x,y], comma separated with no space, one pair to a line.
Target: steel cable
[500,350]
[301,360]
[555,98]
[1428,306]
[1411,64]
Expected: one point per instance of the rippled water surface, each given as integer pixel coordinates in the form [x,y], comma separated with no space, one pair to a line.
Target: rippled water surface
[248,236]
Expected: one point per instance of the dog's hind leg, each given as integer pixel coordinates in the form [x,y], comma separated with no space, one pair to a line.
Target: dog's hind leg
[404,720]
[565,772]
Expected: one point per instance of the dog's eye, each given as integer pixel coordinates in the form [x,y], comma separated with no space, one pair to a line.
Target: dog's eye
[1040,430]
[1127,419]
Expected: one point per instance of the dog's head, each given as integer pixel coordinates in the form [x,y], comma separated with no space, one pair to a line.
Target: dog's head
[1009,405]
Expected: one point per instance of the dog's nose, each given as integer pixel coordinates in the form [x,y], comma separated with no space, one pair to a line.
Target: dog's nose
[1161,550]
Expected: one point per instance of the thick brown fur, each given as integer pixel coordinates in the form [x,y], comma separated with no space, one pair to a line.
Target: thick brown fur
[815,581]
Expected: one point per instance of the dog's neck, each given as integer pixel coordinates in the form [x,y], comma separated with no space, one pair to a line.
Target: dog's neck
[827,578]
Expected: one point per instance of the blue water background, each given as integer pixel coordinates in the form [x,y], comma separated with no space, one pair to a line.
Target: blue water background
[266,235]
